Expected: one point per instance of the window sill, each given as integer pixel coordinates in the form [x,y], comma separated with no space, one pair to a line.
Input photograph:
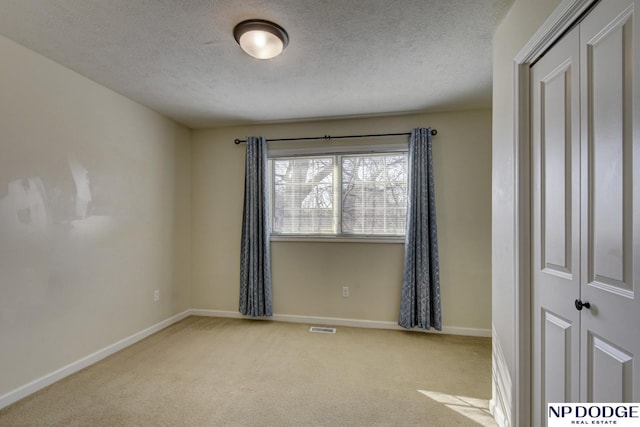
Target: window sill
[337,239]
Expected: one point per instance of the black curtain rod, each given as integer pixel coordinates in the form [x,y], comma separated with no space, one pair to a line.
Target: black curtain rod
[328,138]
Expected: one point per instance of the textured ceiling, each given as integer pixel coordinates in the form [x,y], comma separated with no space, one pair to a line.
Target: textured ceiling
[345,57]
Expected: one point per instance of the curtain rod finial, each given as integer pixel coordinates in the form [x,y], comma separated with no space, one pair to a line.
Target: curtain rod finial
[434,132]
[237,141]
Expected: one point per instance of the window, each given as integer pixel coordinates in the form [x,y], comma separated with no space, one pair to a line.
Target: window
[339,195]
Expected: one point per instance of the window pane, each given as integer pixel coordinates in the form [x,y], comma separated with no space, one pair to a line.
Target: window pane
[374,194]
[397,168]
[396,194]
[303,195]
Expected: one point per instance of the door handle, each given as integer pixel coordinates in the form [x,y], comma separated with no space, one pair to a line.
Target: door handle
[580,304]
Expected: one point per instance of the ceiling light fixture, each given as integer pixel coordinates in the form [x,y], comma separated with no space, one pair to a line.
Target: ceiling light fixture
[261,39]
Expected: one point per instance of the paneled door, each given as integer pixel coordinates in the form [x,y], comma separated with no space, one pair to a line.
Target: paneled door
[585,215]
[610,219]
[555,219]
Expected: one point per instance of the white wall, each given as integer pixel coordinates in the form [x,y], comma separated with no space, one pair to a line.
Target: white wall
[308,277]
[520,24]
[94,215]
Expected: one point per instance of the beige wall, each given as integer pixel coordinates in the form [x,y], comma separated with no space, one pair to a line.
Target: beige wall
[522,21]
[102,201]
[308,277]
[94,215]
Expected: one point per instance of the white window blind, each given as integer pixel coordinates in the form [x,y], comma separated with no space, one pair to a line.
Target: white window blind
[374,194]
[303,195]
[355,194]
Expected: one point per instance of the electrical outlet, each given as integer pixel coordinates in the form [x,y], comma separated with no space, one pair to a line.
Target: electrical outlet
[156,295]
[345,291]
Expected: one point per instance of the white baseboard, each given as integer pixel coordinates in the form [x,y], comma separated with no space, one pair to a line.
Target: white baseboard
[337,321]
[42,382]
[500,404]
[48,379]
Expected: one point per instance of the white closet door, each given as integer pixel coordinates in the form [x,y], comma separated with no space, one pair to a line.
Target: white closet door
[610,214]
[555,132]
[585,133]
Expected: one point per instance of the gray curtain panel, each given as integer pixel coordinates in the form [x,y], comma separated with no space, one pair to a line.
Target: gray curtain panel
[420,302]
[255,256]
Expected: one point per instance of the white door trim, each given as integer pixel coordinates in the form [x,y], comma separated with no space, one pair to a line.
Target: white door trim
[565,15]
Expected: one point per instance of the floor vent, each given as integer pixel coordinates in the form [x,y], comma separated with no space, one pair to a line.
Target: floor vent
[322,330]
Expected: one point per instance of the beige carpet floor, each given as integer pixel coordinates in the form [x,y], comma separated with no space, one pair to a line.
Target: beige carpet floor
[228,372]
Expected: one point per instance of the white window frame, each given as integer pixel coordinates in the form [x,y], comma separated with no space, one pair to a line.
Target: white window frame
[337,152]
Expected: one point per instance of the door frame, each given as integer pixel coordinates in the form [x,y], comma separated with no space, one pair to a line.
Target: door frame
[562,18]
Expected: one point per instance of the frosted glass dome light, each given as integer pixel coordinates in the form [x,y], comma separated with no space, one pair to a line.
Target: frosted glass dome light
[261,39]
